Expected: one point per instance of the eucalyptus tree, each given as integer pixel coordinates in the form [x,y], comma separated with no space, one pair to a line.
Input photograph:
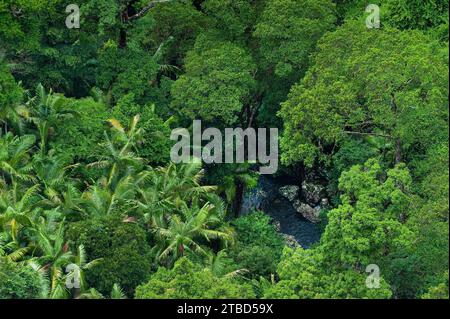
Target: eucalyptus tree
[218,84]
[368,84]
[288,31]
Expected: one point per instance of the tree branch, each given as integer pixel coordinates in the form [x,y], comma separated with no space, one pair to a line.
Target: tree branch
[147,8]
[368,134]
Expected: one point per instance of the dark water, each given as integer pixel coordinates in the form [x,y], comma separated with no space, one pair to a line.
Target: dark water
[266,197]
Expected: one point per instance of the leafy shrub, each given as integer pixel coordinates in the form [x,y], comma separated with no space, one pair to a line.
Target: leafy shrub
[19,282]
[352,152]
[259,245]
[78,138]
[10,95]
[415,14]
[189,280]
[218,81]
[123,248]
[439,291]
[301,276]
[124,71]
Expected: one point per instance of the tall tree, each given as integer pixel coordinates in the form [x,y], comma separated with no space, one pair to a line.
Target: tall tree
[368,83]
[217,85]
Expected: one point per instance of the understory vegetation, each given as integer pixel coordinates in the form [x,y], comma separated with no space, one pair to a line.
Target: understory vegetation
[92,207]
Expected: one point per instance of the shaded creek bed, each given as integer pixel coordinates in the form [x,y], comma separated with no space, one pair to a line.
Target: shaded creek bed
[266,197]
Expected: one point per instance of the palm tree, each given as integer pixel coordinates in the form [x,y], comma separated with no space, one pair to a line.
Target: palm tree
[18,210]
[45,110]
[120,158]
[12,110]
[181,212]
[235,183]
[78,267]
[116,293]
[53,256]
[15,164]
[182,181]
[153,203]
[58,189]
[187,230]
[219,264]
[13,114]
[10,250]
[158,56]
[101,200]
[165,189]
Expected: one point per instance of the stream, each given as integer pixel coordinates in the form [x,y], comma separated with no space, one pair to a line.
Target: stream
[265,197]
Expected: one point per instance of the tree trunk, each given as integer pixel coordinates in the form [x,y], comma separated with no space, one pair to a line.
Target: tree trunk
[398,151]
[125,16]
[122,38]
[239,195]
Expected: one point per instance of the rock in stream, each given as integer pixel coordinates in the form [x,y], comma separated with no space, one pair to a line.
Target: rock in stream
[268,197]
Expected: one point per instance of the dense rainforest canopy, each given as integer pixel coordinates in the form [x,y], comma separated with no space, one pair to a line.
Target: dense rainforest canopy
[92,207]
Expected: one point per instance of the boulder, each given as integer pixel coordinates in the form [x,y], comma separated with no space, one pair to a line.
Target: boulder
[261,193]
[291,241]
[277,225]
[310,213]
[290,192]
[313,193]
